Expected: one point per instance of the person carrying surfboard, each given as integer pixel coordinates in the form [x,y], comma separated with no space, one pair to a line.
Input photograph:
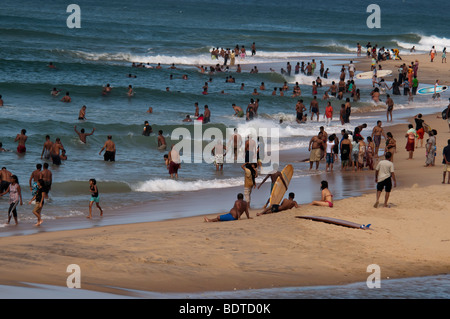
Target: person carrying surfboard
[273,177]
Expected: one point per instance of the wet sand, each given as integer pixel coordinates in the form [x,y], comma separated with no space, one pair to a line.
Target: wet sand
[409,239]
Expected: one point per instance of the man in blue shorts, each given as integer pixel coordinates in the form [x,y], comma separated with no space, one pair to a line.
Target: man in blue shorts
[240,207]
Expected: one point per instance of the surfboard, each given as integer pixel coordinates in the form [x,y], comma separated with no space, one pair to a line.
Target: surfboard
[279,189]
[369,75]
[336,221]
[430,90]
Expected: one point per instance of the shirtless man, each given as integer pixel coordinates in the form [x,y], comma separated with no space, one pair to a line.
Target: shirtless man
[46,150]
[130,92]
[300,108]
[236,141]
[314,108]
[35,175]
[287,203]
[390,107]
[315,145]
[82,135]
[197,112]
[161,141]
[238,111]
[174,162]
[273,177]
[82,113]
[21,139]
[333,89]
[110,150]
[47,176]
[54,153]
[240,207]
[66,98]
[250,150]
[377,132]
[5,178]
[106,89]
[206,115]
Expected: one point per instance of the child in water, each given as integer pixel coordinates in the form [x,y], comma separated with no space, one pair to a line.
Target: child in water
[94,197]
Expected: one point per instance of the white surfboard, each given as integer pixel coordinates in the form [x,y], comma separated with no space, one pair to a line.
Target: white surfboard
[369,75]
[430,89]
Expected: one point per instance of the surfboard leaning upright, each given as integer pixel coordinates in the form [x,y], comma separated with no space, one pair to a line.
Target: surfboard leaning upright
[279,189]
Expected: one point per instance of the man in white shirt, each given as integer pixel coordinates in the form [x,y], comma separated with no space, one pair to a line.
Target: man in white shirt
[384,174]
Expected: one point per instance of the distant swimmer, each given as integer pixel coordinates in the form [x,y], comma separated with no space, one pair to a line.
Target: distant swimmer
[3,149]
[46,150]
[206,115]
[110,150]
[131,75]
[130,91]
[173,67]
[66,98]
[287,203]
[161,141]
[51,65]
[82,134]
[21,139]
[106,90]
[240,207]
[197,111]
[55,92]
[238,111]
[147,129]
[1,101]
[187,118]
[82,113]
[150,110]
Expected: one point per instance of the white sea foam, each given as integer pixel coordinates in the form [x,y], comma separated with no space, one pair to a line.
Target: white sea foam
[198,59]
[425,43]
[165,185]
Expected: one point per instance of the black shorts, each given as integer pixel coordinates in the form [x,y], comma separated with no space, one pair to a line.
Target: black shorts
[386,184]
[109,156]
[299,116]
[274,208]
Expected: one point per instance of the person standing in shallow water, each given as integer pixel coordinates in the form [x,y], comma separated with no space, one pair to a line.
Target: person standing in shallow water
[15,197]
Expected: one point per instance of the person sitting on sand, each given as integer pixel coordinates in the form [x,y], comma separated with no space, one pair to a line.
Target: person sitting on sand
[240,207]
[287,203]
[273,177]
[327,197]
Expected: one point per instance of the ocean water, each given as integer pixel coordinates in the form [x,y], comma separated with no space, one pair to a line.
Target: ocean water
[113,36]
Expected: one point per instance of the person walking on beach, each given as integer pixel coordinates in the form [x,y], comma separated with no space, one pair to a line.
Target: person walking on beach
[94,197]
[287,203]
[21,139]
[249,180]
[15,197]
[273,178]
[315,146]
[327,197]
[47,176]
[430,148]
[5,179]
[82,134]
[39,201]
[411,137]
[419,129]
[446,162]
[384,175]
[110,150]
[240,207]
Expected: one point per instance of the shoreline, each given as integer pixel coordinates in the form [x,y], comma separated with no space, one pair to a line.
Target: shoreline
[276,250]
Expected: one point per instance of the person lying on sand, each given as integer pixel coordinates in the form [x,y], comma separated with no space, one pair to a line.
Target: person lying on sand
[287,203]
[240,207]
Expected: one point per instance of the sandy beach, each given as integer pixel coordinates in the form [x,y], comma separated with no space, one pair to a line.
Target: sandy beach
[409,239]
